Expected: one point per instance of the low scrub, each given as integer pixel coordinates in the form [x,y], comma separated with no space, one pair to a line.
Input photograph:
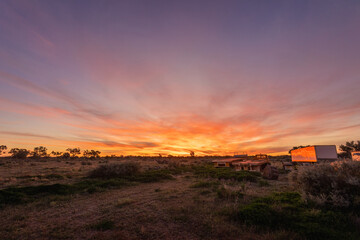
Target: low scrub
[287,211]
[151,176]
[19,195]
[228,194]
[336,184]
[226,173]
[207,184]
[119,170]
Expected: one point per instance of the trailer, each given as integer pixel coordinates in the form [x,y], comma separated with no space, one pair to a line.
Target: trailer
[315,153]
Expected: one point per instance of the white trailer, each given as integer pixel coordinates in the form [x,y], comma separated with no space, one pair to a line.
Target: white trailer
[314,153]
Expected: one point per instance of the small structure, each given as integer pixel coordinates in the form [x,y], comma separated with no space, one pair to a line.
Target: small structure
[240,155]
[256,163]
[355,156]
[227,162]
[313,154]
[251,165]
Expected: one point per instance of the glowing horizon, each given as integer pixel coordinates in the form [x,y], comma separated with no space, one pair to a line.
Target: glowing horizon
[149,78]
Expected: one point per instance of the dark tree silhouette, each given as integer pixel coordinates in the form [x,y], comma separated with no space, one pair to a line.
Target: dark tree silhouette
[91,154]
[349,147]
[39,152]
[56,154]
[74,152]
[3,148]
[19,153]
[192,154]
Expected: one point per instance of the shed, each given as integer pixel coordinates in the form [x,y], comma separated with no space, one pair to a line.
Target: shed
[251,165]
[227,162]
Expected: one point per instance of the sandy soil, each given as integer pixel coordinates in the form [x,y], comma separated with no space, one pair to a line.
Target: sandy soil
[169,209]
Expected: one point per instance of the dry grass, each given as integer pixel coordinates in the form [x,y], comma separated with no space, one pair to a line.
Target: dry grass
[187,207]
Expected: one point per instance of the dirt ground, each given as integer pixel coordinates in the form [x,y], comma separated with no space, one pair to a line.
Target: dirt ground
[169,209]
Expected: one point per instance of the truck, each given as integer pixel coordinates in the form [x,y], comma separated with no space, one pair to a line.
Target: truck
[313,154]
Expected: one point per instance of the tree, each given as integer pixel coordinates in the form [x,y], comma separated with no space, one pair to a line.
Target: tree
[192,154]
[66,155]
[56,154]
[91,154]
[349,147]
[39,152]
[297,147]
[19,153]
[74,152]
[2,149]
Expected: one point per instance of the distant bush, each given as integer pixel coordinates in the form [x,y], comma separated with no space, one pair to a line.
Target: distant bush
[336,184]
[224,193]
[19,153]
[206,184]
[119,170]
[226,173]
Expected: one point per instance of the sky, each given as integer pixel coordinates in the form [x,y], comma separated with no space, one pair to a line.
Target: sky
[169,77]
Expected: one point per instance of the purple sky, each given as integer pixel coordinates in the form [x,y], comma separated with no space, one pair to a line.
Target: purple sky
[150,77]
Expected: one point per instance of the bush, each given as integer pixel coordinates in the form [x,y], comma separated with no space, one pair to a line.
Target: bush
[14,195]
[207,184]
[226,173]
[336,184]
[286,211]
[228,194]
[120,170]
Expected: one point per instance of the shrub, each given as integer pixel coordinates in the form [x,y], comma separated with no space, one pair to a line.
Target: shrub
[286,210]
[336,184]
[151,176]
[207,184]
[228,194]
[225,173]
[13,195]
[120,170]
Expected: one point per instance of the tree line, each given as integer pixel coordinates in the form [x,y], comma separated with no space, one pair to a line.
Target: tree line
[42,152]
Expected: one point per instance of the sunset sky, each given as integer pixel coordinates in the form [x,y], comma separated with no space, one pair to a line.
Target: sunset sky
[167,77]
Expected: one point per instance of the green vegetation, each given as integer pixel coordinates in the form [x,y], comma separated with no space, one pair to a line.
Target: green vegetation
[286,210]
[225,173]
[335,184]
[120,170]
[206,184]
[14,195]
[228,194]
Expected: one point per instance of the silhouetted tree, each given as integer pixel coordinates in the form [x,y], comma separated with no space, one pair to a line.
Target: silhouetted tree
[192,154]
[56,154]
[2,149]
[66,155]
[348,148]
[19,153]
[297,147]
[39,152]
[74,151]
[91,154]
